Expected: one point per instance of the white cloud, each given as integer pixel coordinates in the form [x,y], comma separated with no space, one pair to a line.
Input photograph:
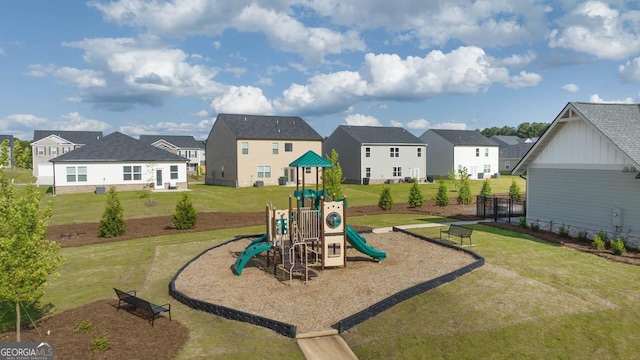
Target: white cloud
[40,70]
[595,98]
[524,79]
[76,122]
[199,130]
[202,113]
[451,126]
[216,45]
[396,123]
[1,50]
[571,88]
[418,124]
[630,71]
[25,120]
[597,28]
[243,100]
[517,60]
[361,120]
[265,80]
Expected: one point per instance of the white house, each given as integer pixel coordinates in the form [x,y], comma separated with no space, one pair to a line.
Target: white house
[121,161]
[184,145]
[374,154]
[459,149]
[584,171]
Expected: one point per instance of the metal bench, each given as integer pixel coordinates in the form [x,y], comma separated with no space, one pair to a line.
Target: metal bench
[457,230]
[149,309]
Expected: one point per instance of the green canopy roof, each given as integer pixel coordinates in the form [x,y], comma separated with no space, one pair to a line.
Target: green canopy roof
[311,159]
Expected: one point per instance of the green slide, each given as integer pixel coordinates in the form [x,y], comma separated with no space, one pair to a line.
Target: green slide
[360,243]
[256,247]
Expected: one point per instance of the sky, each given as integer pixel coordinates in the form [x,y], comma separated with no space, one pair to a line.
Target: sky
[170,67]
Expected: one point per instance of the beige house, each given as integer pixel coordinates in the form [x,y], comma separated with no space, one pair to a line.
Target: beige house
[255,150]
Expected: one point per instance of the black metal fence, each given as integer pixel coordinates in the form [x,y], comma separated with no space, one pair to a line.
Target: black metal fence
[499,207]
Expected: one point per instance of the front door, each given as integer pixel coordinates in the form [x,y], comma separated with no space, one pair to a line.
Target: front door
[416,173]
[159,183]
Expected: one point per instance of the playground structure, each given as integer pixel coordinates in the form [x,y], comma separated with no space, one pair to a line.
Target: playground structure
[310,235]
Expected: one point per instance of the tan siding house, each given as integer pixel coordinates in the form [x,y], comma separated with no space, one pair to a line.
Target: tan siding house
[253,150]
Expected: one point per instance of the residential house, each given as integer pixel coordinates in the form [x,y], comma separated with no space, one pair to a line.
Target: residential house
[48,144]
[584,171]
[512,149]
[375,154]
[10,139]
[183,145]
[458,149]
[246,150]
[121,161]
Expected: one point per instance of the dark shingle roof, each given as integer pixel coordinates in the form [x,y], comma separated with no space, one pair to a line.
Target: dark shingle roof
[381,135]
[268,127]
[516,151]
[180,141]
[118,147]
[464,137]
[507,139]
[75,137]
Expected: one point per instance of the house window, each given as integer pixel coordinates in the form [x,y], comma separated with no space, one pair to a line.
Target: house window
[487,168]
[486,152]
[288,147]
[264,172]
[245,148]
[367,172]
[53,151]
[459,169]
[40,150]
[71,174]
[397,171]
[82,174]
[274,148]
[367,152]
[173,172]
[507,165]
[132,173]
[394,152]
[76,174]
[419,152]
[66,149]
[477,152]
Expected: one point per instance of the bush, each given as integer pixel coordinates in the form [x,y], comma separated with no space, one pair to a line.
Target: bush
[112,223]
[598,242]
[486,189]
[100,344]
[415,195]
[464,194]
[535,226]
[618,246]
[523,222]
[603,235]
[514,191]
[582,235]
[185,216]
[385,202]
[83,327]
[563,231]
[442,197]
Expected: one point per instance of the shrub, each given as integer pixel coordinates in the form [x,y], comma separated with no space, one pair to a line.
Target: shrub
[603,235]
[442,198]
[415,195]
[523,222]
[100,344]
[464,194]
[582,235]
[618,246]
[598,242]
[563,231]
[514,191]
[486,189]
[112,223]
[83,327]
[185,216]
[535,226]
[385,202]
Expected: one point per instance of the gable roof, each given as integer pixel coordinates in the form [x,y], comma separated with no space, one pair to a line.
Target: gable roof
[311,159]
[268,127]
[516,151]
[619,123]
[179,141]
[118,147]
[462,137]
[507,139]
[75,137]
[381,135]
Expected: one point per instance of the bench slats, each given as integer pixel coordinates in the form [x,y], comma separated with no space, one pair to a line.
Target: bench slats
[458,230]
[151,309]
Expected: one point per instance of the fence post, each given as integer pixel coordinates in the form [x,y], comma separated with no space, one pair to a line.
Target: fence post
[509,211]
[495,208]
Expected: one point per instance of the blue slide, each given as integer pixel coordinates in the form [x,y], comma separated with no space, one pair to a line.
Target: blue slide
[256,247]
[360,243]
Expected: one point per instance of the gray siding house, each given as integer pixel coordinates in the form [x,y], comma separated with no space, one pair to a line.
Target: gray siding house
[584,171]
[184,145]
[375,154]
[512,149]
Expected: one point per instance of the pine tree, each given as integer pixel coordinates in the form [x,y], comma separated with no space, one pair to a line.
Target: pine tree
[464,194]
[442,198]
[415,195]
[4,153]
[185,216]
[333,176]
[112,223]
[514,191]
[486,189]
[385,202]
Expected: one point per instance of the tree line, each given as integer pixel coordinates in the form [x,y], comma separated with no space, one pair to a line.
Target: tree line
[524,130]
[21,154]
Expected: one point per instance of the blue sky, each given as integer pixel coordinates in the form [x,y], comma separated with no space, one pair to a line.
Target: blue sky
[169,67]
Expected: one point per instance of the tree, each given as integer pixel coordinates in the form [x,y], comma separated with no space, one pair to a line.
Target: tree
[22,154]
[514,191]
[112,223]
[442,197]
[385,202]
[27,260]
[464,194]
[4,153]
[486,189]
[452,176]
[415,195]
[333,176]
[185,216]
